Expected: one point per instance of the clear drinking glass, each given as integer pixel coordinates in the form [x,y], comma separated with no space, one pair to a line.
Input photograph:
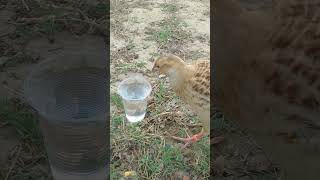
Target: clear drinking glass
[134,92]
[69,93]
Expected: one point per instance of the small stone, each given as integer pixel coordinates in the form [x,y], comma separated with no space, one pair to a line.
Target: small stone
[162,76]
[129,173]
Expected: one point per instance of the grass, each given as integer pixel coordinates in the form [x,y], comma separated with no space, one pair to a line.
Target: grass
[134,19]
[202,157]
[27,156]
[35,19]
[163,35]
[116,100]
[117,121]
[18,59]
[153,159]
[170,160]
[144,147]
[49,18]
[130,66]
[170,8]
[130,45]
[19,117]
[114,174]
[161,93]
[240,144]
[149,153]
[171,34]
[45,19]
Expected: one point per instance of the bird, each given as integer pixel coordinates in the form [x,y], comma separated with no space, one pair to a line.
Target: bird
[267,79]
[191,82]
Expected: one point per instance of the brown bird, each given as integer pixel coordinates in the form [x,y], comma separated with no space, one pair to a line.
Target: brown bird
[191,82]
[267,78]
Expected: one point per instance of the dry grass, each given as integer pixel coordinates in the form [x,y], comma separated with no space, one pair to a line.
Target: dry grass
[29,19]
[28,158]
[239,156]
[145,147]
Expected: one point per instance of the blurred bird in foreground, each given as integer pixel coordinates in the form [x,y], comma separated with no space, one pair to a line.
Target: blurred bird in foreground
[267,78]
[191,82]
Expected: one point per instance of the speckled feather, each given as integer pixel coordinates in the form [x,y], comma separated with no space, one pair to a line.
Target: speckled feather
[196,89]
[267,79]
[191,82]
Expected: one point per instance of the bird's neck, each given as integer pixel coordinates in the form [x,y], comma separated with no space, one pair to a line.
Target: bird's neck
[174,78]
[177,77]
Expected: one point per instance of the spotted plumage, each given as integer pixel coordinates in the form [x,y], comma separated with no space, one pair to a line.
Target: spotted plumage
[268,79]
[190,81]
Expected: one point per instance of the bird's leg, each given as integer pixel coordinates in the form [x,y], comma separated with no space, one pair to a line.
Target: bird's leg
[190,140]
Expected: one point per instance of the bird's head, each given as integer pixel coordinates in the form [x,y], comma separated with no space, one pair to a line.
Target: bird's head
[168,64]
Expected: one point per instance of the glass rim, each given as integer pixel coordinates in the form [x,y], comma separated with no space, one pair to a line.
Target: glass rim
[48,64]
[136,77]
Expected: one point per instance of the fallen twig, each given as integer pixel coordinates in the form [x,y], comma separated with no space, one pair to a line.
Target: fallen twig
[25,5]
[13,163]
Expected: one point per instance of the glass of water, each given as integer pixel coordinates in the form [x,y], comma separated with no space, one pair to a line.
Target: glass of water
[70,98]
[134,92]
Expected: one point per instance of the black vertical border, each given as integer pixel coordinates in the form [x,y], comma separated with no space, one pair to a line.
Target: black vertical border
[107,42]
[212,72]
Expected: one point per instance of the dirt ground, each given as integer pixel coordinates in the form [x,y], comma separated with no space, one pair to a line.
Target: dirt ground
[31,31]
[140,32]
